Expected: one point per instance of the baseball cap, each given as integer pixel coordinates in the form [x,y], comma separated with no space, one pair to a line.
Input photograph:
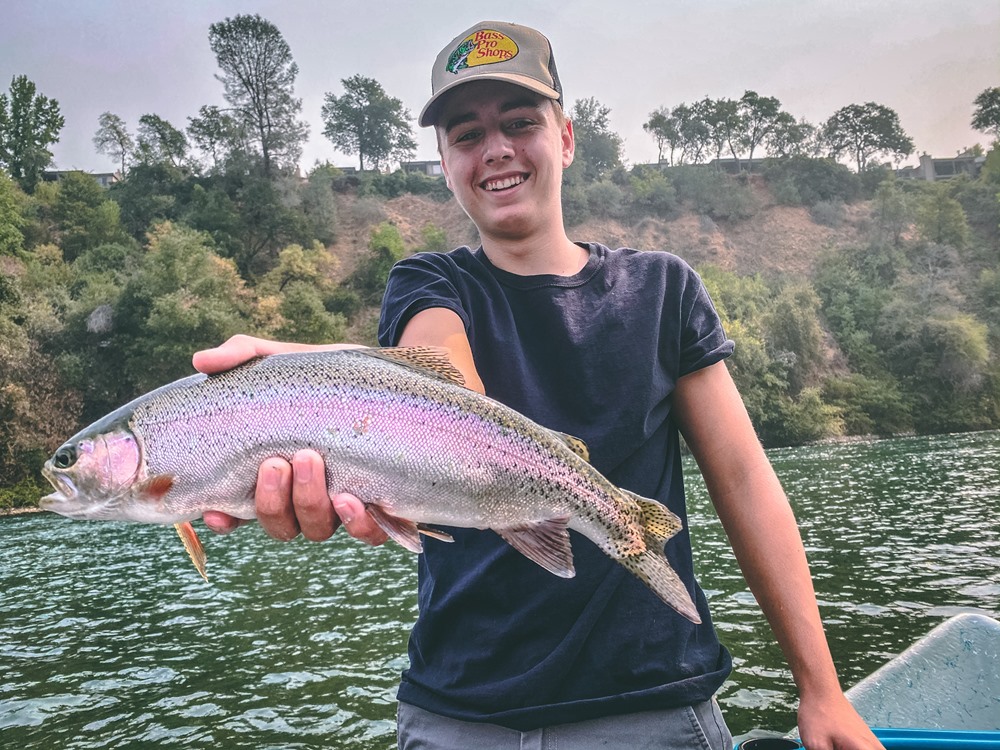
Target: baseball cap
[493,50]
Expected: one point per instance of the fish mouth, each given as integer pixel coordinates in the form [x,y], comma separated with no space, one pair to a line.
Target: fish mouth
[66,492]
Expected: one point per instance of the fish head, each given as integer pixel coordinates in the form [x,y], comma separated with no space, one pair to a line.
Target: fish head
[93,474]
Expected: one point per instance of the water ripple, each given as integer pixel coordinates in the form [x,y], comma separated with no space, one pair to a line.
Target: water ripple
[110,639]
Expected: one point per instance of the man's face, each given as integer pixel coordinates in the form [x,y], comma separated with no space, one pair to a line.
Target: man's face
[503,150]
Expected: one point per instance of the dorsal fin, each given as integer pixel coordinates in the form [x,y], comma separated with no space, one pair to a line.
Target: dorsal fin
[432,360]
[575,444]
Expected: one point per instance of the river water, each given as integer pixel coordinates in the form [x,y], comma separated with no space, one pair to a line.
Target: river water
[109,639]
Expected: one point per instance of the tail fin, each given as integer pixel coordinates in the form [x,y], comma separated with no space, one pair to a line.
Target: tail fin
[652,568]
[660,524]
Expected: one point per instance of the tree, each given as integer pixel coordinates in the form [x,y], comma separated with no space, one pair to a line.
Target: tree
[662,125]
[216,133]
[724,122]
[694,135]
[113,139]
[368,122]
[758,116]
[790,138]
[160,142]
[987,115]
[598,147]
[865,130]
[941,219]
[258,74]
[29,124]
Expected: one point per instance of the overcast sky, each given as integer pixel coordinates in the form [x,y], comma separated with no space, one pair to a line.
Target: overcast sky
[926,59]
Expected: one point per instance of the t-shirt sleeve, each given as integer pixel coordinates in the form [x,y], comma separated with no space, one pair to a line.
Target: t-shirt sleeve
[415,284]
[703,340]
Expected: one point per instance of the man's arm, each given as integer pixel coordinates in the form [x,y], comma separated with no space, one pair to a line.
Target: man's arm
[439,326]
[765,538]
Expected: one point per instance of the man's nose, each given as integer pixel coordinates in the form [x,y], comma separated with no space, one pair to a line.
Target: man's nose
[498,147]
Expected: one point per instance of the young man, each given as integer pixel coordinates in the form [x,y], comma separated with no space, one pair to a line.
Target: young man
[620,348]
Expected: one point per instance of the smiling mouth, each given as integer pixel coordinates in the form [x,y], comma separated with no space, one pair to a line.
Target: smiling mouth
[504,183]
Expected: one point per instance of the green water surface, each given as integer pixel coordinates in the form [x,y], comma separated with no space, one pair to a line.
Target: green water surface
[108,638]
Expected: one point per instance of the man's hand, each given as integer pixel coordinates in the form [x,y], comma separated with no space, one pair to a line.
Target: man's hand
[291,497]
[833,724]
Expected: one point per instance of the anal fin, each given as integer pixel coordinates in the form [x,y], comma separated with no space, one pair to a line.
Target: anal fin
[193,546]
[404,532]
[544,542]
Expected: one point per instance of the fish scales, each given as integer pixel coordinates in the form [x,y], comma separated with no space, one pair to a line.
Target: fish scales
[416,449]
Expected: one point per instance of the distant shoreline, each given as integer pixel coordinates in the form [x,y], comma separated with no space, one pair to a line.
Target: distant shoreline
[19,511]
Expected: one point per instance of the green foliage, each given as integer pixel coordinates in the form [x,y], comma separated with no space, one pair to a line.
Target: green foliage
[801,181]
[25,493]
[385,248]
[598,147]
[368,122]
[160,142]
[182,298]
[83,216]
[399,183]
[713,193]
[652,194]
[802,419]
[941,219]
[868,406]
[11,219]
[605,200]
[435,239]
[794,333]
[29,124]
[892,212]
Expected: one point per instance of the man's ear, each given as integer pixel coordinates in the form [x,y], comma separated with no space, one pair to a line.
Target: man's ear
[568,143]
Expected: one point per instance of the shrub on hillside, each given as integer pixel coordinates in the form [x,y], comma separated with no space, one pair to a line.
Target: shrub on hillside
[828,213]
[803,181]
[398,183]
[605,200]
[652,194]
[713,193]
[385,248]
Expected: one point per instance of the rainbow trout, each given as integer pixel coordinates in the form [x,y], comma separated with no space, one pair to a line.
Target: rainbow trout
[396,427]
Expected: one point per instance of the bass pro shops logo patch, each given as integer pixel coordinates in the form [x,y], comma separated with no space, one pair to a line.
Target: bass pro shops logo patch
[482,48]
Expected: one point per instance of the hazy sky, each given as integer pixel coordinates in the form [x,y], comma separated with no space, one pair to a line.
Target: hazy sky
[927,59]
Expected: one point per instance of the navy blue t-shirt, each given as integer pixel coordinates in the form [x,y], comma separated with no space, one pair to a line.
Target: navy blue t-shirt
[595,355]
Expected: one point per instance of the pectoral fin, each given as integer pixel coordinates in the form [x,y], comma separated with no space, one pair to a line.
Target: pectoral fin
[193,546]
[544,542]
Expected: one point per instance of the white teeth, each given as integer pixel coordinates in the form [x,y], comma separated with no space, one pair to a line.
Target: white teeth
[505,183]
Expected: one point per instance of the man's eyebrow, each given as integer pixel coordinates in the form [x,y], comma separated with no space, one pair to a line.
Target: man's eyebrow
[507,106]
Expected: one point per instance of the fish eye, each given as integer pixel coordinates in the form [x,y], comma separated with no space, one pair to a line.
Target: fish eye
[65,457]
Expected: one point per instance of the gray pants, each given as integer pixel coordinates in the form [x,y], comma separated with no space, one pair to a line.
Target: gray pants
[698,727]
